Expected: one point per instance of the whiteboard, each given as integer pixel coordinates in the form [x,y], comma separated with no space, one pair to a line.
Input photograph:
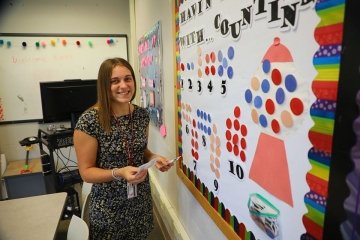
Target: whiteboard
[28,59]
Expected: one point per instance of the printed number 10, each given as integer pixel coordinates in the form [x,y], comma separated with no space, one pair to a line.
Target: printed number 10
[238,169]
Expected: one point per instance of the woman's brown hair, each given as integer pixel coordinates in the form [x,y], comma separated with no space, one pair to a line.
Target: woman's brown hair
[103,89]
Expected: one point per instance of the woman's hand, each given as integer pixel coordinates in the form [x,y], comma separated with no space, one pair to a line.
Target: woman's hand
[163,164]
[131,174]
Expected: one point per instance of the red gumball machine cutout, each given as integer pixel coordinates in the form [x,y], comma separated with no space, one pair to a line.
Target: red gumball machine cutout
[275,110]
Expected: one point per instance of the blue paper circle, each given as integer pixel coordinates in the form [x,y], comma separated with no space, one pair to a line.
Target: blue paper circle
[231,53]
[280,96]
[230,72]
[220,71]
[248,96]
[263,120]
[266,66]
[290,83]
[258,102]
[265,86]
[220,55]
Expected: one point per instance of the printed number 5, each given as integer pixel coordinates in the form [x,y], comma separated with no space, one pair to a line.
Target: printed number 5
[223,87]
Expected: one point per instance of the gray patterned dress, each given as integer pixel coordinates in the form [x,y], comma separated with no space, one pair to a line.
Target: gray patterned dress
[112,215]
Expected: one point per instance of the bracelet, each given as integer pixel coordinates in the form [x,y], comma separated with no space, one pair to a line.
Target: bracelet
[113,174]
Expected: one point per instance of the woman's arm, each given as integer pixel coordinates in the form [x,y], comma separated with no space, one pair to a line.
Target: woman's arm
[86,148]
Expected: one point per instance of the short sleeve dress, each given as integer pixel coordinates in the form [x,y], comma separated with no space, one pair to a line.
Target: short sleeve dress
[112,215]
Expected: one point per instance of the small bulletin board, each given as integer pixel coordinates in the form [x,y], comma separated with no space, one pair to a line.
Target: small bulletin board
[28,59]
[256,97]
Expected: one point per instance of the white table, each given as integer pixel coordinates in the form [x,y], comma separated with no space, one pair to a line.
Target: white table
[31,217]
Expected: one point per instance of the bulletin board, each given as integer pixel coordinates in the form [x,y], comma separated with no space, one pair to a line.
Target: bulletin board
[256,98]
[28,59]
[150,62]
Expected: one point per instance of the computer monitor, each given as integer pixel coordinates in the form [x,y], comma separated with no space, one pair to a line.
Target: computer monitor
[66,100]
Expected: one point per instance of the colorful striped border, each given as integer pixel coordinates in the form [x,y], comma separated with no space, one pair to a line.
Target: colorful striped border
[328,34]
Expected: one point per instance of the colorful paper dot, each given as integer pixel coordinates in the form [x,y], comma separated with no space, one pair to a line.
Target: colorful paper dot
[207,58]
[286,119]
[258,102]
[236,124]
[266,66]
[275,126]
[237,111]
[228,123]
[212,57]
[270,106]
[207,70]
[296,106]
[220,55]
[255,83]
[263,120]
[230,72]
[235,139]
[213,70]
[231,53]
[265,86]
[290,83]
[280,96]
[276,76]
[228,135]
[225,63]
[243,143]
[220,71]
[243,130]
[248,96]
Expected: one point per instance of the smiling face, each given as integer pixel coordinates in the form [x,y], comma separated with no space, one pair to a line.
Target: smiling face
[122,85]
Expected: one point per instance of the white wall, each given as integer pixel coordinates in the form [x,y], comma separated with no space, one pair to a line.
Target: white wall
[68,16]
[189,215]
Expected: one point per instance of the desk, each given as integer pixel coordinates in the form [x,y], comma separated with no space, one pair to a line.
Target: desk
[27,184]
[14,167]
[32,217]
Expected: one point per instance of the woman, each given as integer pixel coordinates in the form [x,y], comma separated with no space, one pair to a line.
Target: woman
[110,141]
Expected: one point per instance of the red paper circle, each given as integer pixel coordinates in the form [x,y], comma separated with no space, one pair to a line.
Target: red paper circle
[276,76]
[296,106]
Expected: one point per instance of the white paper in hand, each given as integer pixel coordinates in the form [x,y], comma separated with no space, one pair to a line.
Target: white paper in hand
[145,166]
